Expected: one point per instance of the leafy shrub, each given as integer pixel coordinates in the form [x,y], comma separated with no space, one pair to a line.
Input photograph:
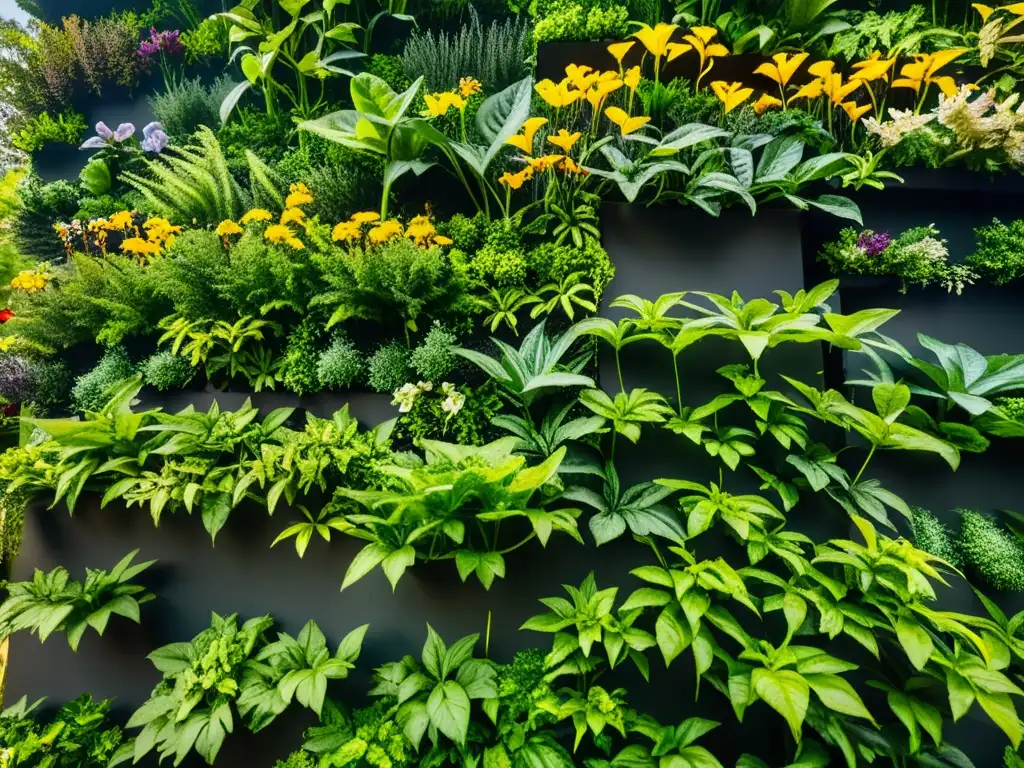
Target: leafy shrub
[255,130]
[106,49]
[80,734]
[550,263]
[51,388]
[17,379]
[388,368]
[339,365]
[991,551]
[167,371]
[185,106]
[351,182]
[933,537]
[467,232]
[433,359]
[1013,406]
[206,41]
[258,273]
[568,20]
[298,759]
[57,66]
[999,254]
[90,392]
[68,128]
[102,206]
[198,264]
[869,32]
[497,55]
[40,205]
[299,368]
[389,69]
[470,424]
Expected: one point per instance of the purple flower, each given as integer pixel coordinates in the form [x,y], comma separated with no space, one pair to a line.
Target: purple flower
[154,138]
[124,131]
[102,131]
[873,243]
[161,42]
[17,378]
[170,42]
[148,48]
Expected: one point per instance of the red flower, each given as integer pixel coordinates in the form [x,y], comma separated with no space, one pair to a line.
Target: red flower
[5,315]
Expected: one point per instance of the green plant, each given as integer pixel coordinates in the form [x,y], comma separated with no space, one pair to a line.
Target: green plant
[933,537]
[192,708]
[453,507]
[991,551]
[433,358]
[340,365]
[550,263]
[167,371]
[106,49]
[299,368]
[185,106]
[998,251]
[463,414]
[564,295]
[92,390]
[495,55]
[79,734]
[207,40]
[53,602]
[388,367]
[567,20]
[68,128]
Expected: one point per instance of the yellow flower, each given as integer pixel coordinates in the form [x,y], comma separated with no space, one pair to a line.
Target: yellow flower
[365,217]
[765,103]
[559,95]
[984,10]
[347,231]
[524,141]
[853,111]
[120,220]
[924,70]
[627,124]
[420,229]
[139,247]
[438,104]
[545,162]
[872,68]
[675,50]
[700,39]
[295,243]
[837,90]
[782,68]
[580,76]
[569,166]
[298,194]
[442,240]
[468,86]
[257,214]
[228,227]
[619,50]
[1017,9]
[278,233]
[293,216]
[822,68]
[385,231]
[656,39]
[565,140]
[731,94]
[632,78]
[514,180]
[810,91]
[31,280]
[600,90]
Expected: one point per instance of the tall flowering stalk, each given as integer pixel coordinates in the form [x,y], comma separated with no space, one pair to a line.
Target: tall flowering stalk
[162,46]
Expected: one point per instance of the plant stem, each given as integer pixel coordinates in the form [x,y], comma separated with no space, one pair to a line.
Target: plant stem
[679,389]
[618,368]
[487,637]
[864,465]
[518,545]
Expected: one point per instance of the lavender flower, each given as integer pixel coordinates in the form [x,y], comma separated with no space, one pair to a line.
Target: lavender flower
[17,378]
[105,137]
[873,243]
[154,138]
[161,42]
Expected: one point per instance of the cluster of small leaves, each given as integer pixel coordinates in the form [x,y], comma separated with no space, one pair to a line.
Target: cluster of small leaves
[999,254]
[991,552]
[933,536]
[79,734]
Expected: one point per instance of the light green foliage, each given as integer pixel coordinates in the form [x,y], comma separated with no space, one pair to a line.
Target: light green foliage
[550,263]
[68,128]
[185,106]
[388,367]
[39,205]
[495,55]
[301,357]
[1011,759]
[92,390]
[190,182]
[166,371]
[568,20]
[389,69]
[227,664]
[297,759]
[467,232]
[51,387]
[467,491]
[206,41]
[903,32]
[999,254]
[53,602]
[340,365]
[12,523]
[991,551]
[933,537]
[257,276]
[191,279]
[79,734]
[398,281]
[470,425]
[501,260]
[1013,407]
[433,359]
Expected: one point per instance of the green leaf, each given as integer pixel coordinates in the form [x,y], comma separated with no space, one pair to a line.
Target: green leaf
[396,562]
[890,400]
[838,695]
[368,558]
[786,692]
[216,509]
[915,641]
[448,709]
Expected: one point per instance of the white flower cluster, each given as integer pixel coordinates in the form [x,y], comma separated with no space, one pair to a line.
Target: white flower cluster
[984,123]
[900,123]
[405,397]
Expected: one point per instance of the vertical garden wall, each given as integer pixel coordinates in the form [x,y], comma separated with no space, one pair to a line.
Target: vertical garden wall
[622,385]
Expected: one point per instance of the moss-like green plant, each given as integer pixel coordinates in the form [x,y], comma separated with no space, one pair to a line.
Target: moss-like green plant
[340,365]
[1000,251]
[433,359]
[90,390]
[389,367]
[301,356]
[167,371]
[1011,759]
[934,537]
[992,552]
